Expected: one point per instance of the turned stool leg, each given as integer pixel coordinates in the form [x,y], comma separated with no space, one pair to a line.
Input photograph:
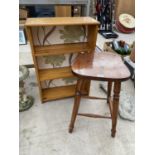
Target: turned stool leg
[109,91]
[76,105]
[117,87]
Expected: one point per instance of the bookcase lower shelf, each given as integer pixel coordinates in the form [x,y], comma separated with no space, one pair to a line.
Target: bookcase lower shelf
[58,92]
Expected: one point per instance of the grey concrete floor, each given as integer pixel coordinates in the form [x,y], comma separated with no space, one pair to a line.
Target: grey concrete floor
[44,128]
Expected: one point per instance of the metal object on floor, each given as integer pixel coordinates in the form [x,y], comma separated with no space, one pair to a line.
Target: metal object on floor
[108,34]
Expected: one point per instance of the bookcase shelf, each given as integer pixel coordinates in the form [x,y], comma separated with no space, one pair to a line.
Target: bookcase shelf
[55,73]
[58,49]
[60,92]
[57,21]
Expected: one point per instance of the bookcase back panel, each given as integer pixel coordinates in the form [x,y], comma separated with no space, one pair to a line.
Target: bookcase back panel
[55,61]
[59,82]
[50,35]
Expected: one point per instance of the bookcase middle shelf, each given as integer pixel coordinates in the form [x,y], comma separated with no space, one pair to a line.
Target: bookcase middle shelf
[55,73]
[58,49]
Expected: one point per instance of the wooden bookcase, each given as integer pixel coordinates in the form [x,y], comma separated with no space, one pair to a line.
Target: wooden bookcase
[90,24]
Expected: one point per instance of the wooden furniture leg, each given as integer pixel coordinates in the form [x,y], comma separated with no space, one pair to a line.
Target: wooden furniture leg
[109,91]
[76,105]
[117,87]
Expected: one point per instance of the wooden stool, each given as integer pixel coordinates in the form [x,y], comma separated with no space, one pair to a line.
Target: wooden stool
[103,66]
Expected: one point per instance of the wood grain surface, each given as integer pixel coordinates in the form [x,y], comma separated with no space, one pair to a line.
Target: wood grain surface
[100,66]
[55,21]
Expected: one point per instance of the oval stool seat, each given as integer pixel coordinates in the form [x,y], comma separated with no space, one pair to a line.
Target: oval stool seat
[103,65]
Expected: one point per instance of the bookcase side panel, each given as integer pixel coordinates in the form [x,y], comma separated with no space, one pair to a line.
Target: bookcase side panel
[30,37]
[92,36]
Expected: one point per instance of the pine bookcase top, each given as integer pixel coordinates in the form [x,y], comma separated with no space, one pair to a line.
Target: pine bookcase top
[55,21]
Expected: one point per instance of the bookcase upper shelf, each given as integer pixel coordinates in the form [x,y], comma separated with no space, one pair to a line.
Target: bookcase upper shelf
[58,21]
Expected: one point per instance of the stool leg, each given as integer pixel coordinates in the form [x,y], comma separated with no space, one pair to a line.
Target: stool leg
[76,105]
[109,91]
[117,87]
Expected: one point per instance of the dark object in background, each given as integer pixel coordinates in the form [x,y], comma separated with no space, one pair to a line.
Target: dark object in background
[104,12]
[45,11]
[41,11]
[131,68]
[121,47]
[108,34]
[76,10]
[31,10]
[130,62]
